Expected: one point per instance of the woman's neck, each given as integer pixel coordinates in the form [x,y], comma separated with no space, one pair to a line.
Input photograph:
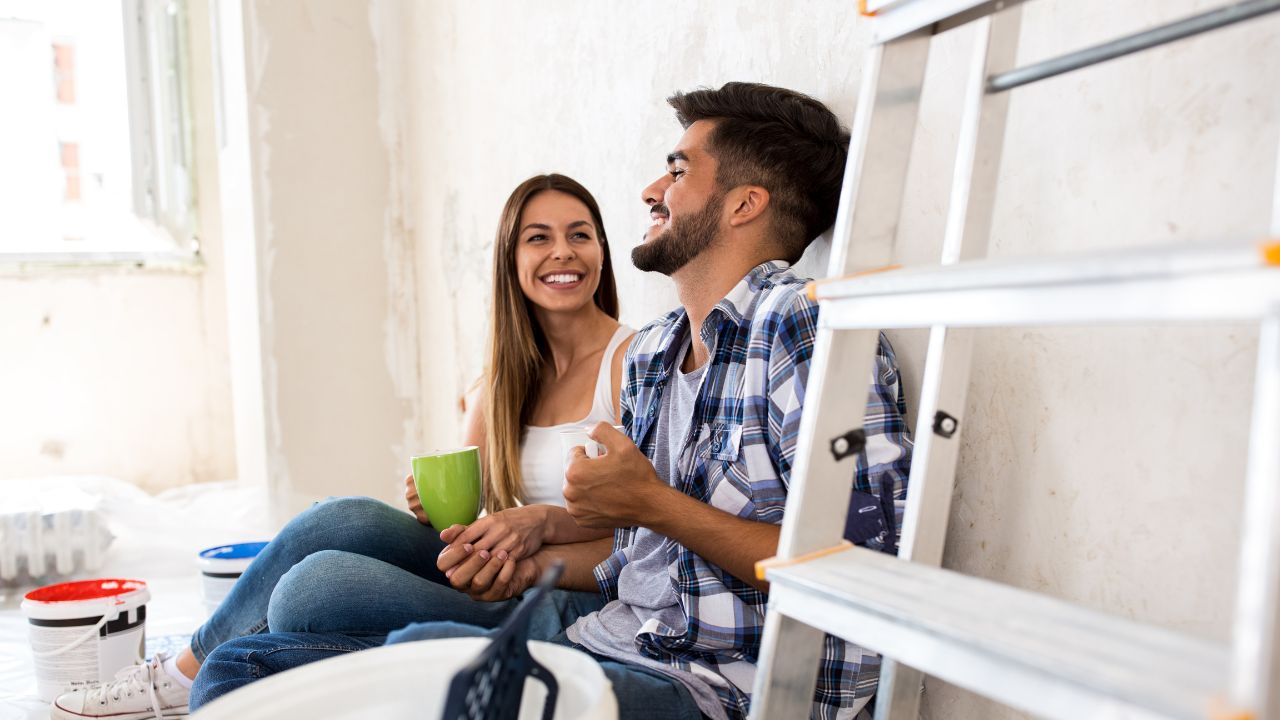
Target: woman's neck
[573,335]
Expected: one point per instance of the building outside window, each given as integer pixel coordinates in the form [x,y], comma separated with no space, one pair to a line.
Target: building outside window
[95,148]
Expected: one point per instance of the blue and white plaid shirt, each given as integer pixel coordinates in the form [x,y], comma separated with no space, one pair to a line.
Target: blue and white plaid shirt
[746,421]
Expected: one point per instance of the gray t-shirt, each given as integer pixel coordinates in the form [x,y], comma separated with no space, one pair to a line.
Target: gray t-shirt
[646,600]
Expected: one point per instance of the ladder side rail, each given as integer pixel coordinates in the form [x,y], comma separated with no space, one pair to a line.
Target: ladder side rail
[945,384]
[866,223]
[1256,630]
[1255,642]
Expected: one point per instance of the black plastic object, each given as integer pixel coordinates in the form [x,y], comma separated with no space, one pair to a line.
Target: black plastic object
[492,686]
[850,443]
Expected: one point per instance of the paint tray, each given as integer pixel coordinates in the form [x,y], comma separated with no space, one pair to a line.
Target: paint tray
[492,686]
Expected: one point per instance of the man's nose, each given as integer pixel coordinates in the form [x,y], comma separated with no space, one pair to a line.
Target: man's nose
[657,189]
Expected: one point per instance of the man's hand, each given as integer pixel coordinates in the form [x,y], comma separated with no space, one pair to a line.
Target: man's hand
[415,502]
[617,489]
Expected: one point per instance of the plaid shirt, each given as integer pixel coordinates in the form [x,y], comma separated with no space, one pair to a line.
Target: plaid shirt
[738,458]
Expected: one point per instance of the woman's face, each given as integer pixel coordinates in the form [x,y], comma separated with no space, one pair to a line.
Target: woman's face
[558,253]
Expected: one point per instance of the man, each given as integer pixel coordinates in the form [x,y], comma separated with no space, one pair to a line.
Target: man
[712,402]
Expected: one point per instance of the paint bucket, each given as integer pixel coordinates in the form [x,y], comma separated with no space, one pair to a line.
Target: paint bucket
[221,567]
[84,632]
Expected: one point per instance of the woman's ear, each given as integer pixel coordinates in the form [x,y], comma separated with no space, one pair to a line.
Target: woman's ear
[747,203]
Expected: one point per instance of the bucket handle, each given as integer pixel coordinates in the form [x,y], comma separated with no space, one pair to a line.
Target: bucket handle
[111,613]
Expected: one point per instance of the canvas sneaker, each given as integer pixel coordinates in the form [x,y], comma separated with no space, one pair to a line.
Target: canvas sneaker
[139,692]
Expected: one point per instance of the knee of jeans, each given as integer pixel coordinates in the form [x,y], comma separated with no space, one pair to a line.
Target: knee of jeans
[436,631]
[349,508]
[293,603]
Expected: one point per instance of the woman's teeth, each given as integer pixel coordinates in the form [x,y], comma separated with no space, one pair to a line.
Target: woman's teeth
[561,279]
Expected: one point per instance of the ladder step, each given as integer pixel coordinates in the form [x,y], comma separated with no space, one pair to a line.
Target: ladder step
[1039,654]
[1183,285]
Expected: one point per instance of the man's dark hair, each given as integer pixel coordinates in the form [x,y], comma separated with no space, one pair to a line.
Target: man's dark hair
[784,141]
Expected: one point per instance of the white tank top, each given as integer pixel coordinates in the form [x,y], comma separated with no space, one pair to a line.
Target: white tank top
[541,465]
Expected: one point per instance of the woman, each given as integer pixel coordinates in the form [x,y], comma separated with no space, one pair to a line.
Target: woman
[359,567]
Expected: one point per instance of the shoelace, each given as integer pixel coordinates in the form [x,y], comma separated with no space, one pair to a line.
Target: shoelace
[132,678]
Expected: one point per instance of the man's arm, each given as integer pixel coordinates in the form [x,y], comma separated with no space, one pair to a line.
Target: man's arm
[621,489]
[501,579]
[725,540]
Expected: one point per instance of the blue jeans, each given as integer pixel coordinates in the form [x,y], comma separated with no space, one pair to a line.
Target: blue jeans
[641,693]
[287,581]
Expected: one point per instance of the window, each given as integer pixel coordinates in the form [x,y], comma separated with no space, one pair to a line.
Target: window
[96,136]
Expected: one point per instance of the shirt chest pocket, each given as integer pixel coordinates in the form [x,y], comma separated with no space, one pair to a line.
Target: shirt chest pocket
[720,441]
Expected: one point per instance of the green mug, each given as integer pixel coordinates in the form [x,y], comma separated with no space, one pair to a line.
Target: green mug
[448,483]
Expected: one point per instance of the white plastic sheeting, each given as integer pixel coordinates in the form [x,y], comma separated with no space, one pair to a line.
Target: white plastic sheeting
[157,538]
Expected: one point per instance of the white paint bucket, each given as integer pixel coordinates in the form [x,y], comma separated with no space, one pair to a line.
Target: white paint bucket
[84,632]
[221,567]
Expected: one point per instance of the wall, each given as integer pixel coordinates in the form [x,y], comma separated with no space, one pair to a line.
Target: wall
[332,254]
[1099,465]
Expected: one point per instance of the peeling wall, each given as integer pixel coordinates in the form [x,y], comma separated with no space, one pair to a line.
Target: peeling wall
[1099,465]
[336,281]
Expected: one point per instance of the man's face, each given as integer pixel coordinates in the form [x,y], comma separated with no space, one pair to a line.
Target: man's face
[685,206]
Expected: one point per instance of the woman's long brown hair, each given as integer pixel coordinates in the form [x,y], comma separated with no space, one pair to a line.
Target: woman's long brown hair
[517,347]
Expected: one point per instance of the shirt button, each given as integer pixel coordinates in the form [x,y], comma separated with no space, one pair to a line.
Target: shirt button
[715,446]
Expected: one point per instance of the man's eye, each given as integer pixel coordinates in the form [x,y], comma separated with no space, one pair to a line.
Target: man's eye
[675,174]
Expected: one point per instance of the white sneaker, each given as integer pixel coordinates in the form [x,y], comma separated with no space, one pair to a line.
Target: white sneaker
[139,692]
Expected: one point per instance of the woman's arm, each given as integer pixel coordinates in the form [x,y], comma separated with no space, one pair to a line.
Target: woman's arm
[473,429]
[617,375]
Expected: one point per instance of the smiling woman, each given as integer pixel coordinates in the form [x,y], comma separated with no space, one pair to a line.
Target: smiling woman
[553,321]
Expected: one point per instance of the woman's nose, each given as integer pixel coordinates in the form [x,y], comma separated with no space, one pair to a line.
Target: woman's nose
[563,250]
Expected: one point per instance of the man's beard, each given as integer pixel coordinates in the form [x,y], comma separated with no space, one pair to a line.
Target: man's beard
[682,241]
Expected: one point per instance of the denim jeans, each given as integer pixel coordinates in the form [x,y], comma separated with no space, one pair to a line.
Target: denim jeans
[641,693]
[287,581]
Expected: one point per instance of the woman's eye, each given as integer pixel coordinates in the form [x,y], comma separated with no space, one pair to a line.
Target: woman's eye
[580,236]
[535,238]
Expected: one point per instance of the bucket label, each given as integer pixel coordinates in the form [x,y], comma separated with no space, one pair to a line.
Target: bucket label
[117,645]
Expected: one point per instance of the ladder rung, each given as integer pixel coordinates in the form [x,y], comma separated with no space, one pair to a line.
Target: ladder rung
[1187,284]
[1033,652]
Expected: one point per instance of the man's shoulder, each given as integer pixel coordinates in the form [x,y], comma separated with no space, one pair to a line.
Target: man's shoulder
[782,298]
[650,338]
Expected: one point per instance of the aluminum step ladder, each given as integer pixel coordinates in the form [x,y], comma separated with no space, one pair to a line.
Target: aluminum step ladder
[1045,656]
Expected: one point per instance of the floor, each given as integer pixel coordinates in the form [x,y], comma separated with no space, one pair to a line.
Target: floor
[156,540]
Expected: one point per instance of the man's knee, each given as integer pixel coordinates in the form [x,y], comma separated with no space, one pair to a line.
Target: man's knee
[436,631]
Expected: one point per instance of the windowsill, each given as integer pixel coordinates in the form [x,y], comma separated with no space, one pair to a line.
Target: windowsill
[171,262]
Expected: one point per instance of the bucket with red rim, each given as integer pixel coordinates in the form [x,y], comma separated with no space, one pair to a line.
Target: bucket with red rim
[83,632]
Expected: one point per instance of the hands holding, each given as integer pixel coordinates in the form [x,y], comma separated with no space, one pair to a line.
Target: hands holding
[617,489]
[415,502]
[490,559]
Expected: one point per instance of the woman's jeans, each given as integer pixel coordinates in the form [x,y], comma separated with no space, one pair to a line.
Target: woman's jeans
[348,572]
[346,564]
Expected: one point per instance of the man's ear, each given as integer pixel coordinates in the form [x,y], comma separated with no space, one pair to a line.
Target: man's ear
[747,203]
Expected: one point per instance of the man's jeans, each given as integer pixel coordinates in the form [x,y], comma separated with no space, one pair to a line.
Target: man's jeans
[641,693]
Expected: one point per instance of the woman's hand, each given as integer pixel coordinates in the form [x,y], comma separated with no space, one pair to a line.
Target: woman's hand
[514,533]
[415,502]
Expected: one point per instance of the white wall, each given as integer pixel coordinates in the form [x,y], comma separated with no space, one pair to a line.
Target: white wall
[1099,465]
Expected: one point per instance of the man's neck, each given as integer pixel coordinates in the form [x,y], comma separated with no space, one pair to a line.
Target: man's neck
[705,281]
